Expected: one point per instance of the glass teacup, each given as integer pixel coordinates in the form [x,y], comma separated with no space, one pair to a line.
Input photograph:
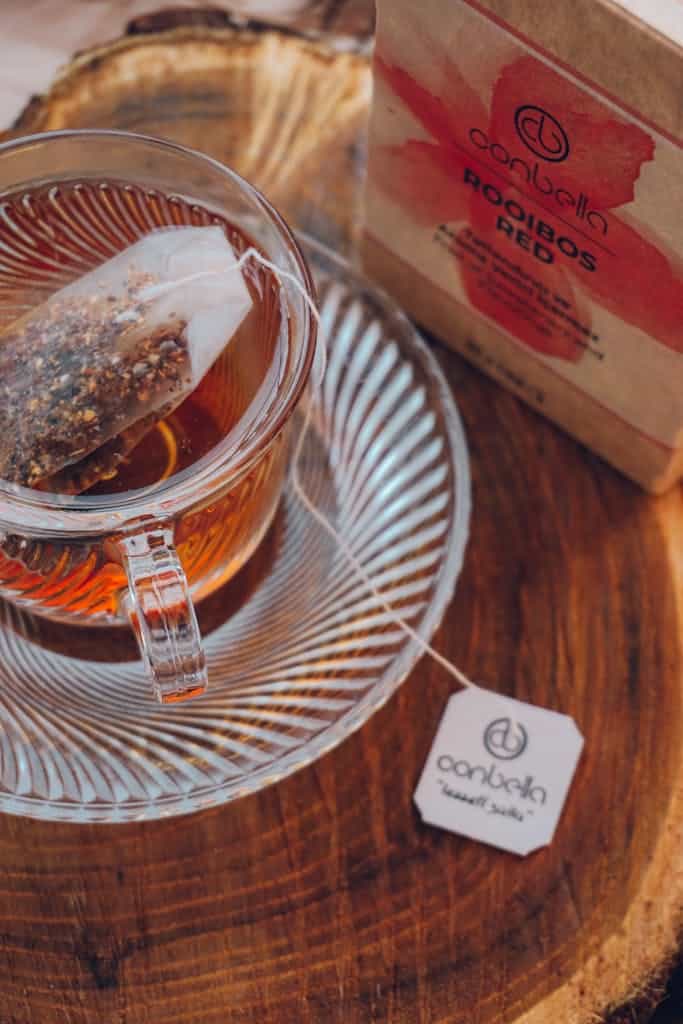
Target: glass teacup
[147,551]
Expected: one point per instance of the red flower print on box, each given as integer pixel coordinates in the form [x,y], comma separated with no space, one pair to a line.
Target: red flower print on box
[583,149]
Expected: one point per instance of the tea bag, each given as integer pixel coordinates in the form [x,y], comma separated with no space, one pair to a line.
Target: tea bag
[85,375]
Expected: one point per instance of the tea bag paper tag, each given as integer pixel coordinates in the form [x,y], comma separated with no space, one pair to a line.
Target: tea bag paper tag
[499,771]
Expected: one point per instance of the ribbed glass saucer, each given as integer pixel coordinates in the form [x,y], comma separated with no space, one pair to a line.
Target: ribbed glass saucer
[300,652]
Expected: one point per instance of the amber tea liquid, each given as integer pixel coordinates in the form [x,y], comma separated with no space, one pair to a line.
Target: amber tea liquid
[213,542]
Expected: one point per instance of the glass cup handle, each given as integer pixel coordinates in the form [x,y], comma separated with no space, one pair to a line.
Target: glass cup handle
[161,612]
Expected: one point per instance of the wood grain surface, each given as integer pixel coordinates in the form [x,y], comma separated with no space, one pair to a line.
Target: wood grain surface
[324,900]
[286,112]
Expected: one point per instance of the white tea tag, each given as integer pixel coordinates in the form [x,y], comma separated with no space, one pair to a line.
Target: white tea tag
[499,770]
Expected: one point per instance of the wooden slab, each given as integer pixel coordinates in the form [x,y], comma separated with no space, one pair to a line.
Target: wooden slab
[324,900]
[286,112]
[340,22]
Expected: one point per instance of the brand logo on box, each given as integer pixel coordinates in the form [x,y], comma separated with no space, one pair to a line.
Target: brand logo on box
[542,133]
[505,739]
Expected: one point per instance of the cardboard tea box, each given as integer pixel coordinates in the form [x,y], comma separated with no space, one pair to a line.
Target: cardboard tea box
[525,203]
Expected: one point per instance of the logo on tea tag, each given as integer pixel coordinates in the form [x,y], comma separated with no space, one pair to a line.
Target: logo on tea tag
[499,771]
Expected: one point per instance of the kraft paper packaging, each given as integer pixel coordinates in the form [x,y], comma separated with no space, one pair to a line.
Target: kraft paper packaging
[525,203]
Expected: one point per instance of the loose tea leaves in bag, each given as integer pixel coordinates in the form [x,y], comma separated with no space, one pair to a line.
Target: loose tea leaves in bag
[85,375]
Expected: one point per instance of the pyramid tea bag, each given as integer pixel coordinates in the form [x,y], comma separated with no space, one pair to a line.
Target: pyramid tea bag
[89,372]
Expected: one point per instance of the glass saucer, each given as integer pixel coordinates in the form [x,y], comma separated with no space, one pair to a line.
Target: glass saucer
[300,652]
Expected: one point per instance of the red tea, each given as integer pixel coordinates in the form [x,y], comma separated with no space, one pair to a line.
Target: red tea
[56,233]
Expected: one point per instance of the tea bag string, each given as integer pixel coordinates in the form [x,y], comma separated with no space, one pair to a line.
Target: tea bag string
[320,517]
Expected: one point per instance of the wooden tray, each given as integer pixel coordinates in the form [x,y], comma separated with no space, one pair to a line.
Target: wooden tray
[324,899]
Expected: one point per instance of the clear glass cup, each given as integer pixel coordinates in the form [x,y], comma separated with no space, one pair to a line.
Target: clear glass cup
[145,555]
